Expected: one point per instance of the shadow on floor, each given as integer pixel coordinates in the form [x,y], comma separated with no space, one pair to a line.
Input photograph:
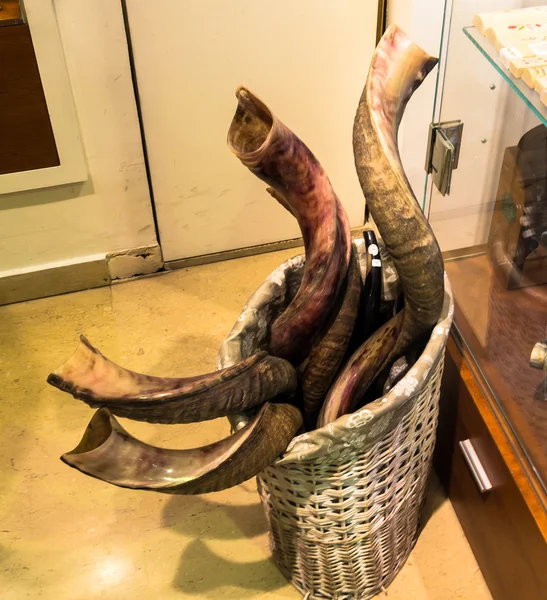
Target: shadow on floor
[200,517]
[435,496]
[201,571]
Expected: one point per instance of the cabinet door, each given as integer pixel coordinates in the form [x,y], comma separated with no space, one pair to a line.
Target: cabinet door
[307,60]
[494,117]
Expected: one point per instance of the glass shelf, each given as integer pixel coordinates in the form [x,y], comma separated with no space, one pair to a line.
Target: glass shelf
[529,96]
[496,208]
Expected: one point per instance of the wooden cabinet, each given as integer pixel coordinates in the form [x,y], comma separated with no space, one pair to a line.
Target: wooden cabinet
[507,526]
[26,139]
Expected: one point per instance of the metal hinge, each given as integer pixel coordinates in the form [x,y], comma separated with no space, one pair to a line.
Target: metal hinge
[443,152]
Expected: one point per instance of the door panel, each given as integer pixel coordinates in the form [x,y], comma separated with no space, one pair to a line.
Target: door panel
[307,60]
[494,118]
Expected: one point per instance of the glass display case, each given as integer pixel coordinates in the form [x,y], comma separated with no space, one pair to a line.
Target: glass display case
[486,199]
[492,225]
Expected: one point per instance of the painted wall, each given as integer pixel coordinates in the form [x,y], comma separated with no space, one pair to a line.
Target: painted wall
[112,210]
[307,59]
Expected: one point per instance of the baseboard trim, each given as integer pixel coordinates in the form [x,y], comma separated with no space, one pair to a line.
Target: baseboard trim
[206,259]
[127,264]
[63,279]
[468,252]
[54,281]
[117,267]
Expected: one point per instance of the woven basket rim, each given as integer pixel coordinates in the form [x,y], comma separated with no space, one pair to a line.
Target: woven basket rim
[366,421]
[372,420]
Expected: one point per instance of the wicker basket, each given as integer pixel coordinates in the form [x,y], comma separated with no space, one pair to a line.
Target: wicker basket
[343,502]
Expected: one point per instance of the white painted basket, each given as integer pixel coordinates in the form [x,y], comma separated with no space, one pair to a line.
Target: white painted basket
[343,502]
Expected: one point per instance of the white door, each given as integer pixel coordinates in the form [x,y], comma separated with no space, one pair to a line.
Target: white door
[307,60]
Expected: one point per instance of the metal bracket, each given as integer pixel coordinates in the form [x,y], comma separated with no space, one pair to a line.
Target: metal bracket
[443,152]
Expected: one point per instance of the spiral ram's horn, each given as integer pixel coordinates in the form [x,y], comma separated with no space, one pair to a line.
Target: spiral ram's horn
[318,371]
[360,371]
[398,67]
[93,378]
[274,154]
[111,454]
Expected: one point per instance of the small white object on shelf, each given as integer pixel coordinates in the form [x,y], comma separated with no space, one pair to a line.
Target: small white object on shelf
[518,65]
[511,52]
[541,85]
[485,21]
[530,76]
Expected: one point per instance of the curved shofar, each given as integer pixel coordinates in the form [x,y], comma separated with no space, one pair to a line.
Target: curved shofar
[275,155]
[355,378]
[93,378]
[344,227]
[318,371]
[398,67]
[110,453]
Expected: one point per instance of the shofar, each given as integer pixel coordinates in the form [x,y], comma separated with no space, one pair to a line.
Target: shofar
[317,373]
[93,378]
[111,454]
[359,372]
[398,67]
[275,155]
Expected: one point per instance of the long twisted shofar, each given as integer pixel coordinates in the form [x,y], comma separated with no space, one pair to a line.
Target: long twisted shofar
[275,155]
[398,67]
[111,454]
[93,378]
[360,371]
[318,371]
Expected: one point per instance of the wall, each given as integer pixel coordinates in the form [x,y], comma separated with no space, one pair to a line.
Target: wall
[112,210]
[307,59]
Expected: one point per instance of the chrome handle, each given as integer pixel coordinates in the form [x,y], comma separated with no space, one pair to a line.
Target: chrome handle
[475,466]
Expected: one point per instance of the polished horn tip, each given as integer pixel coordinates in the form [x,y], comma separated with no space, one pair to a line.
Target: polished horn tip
[61,384]
[54,380]
[241,89]
[83,349]
[87,343]
[393,30]
[96,433]
[429,65]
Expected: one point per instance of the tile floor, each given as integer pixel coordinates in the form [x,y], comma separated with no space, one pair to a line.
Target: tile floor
[65,536]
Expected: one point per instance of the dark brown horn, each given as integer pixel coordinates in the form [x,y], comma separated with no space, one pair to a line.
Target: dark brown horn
[360,371]
[111,454]
[275,155]
[93,378]
[319,369]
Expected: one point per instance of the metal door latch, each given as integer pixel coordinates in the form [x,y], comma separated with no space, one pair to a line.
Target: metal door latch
[443,152]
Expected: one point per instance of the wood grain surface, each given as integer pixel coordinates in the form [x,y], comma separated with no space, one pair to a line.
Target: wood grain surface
[26,136]
[499,328]
[10,12]
[506,527]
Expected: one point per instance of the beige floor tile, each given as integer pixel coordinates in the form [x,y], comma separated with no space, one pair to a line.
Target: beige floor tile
[67,536]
